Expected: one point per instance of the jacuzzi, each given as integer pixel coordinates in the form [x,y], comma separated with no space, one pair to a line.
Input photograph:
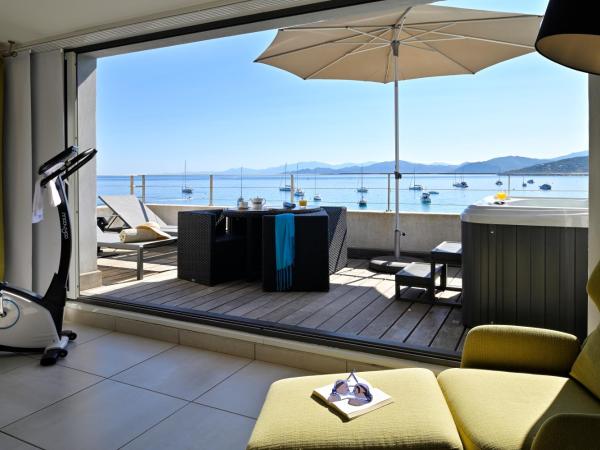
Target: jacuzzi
[525,263]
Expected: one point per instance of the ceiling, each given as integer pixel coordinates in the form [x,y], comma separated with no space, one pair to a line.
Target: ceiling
[42,25]
[26,21]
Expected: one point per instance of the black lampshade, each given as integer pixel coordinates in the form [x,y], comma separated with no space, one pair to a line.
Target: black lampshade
[570,34]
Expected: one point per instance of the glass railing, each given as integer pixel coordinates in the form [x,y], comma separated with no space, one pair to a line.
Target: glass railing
[419,192]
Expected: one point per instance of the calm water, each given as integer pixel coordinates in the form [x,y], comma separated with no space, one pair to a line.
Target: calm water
[341,189]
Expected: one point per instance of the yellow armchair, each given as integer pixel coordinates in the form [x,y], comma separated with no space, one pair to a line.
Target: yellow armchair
[520,349]
[569,432]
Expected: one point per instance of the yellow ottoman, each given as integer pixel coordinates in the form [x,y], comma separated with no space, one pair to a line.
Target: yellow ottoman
[417,419]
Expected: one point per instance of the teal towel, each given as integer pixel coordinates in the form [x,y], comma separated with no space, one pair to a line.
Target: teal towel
[284,250]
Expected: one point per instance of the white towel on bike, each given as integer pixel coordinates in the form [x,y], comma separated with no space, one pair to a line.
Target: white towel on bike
[38,198]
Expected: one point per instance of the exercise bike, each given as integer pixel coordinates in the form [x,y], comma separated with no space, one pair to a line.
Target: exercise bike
[30,323]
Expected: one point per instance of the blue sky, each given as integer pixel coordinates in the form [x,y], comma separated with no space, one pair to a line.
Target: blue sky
[209,104]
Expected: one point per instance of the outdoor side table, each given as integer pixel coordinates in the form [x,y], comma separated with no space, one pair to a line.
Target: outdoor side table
[447,253]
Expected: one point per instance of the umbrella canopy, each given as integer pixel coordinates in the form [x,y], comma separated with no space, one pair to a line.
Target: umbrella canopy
[402,44]
[433,41]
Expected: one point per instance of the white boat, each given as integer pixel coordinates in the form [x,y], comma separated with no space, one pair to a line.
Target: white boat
[545,187]
[462,184]
[286,187]
[362,189]
[316,197]
[425,197]
[530,182]
[434,193]
[298,192]
[185,189]
[362,203]
[414,186]
[499,183]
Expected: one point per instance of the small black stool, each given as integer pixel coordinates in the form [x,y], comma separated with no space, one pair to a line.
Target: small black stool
[423,275]
[447,253]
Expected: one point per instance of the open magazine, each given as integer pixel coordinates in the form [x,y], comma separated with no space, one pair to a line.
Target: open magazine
[349,404]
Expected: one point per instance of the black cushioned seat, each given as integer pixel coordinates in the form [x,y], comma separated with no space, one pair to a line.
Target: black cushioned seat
[311,262]
[206,253]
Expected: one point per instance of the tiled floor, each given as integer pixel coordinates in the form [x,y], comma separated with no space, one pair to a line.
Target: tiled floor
[119,391]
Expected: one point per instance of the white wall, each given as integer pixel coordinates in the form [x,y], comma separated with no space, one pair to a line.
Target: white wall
[48,131]
[86,122]
[375,230]
[594,227]
[18,171]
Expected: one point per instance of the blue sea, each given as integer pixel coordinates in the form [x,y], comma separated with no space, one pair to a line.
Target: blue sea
[342,189]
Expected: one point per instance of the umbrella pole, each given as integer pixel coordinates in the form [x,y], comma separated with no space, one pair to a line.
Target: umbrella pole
[393,264]
[397,174]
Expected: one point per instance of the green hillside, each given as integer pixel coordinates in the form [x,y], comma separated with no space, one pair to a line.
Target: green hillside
[579,164]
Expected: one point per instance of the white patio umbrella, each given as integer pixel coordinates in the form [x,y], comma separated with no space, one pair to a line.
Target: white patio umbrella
[402,44]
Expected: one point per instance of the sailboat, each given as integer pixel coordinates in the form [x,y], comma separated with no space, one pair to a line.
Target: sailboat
[286,187]
[185,189]
[523,184]
[362,203]
[413,186]
[317,197]
[362,189]
[425,197]
[462,184]
[298,192]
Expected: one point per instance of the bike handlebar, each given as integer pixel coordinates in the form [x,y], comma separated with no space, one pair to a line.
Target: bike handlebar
[71,163]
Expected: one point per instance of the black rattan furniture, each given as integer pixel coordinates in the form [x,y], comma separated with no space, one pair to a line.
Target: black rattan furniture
[206,253]
[338,238]
[447,253]
[248,223]
[422,275]
[311,260]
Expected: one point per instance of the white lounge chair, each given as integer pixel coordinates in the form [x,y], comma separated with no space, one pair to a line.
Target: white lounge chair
[132,212]
[112,240]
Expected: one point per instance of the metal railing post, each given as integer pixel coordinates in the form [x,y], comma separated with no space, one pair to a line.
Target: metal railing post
[210,190]
[389,192]
[143,188]
[509,185]
[291,188]
[131,185]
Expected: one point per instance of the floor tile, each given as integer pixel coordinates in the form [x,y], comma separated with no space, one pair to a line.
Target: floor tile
[183,372]
[197,427]
[10,361]
[85,333]
[113,353]
[105,416]
[10,443]
[245,391]
[30,388]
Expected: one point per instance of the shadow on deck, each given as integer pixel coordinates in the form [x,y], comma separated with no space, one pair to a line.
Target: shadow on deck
[359,306]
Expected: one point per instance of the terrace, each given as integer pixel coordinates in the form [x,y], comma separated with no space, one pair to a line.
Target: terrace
[360,306]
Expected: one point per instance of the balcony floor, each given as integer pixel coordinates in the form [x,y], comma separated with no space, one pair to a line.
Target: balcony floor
[360,304]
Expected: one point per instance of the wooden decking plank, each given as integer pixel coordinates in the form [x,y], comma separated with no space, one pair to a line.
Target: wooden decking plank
[259,301]
[357,306]
[302,301]
[298,316]
[360,321]
[186,289]
[386,318]
[266,308]
[424,333]
[150,292]
[198,293]
[407,322]
[450,332]
[238,302]
[211,292]
[227,297]
[322,315]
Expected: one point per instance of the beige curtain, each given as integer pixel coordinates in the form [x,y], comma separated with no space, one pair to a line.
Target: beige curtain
[1,170]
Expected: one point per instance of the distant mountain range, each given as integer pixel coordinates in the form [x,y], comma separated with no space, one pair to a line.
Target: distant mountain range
[504,164]
[579,164]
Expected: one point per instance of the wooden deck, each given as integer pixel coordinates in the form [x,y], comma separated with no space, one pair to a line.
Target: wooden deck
[360,303]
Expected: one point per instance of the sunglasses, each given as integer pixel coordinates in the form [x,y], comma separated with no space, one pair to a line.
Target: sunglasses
[357,394]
